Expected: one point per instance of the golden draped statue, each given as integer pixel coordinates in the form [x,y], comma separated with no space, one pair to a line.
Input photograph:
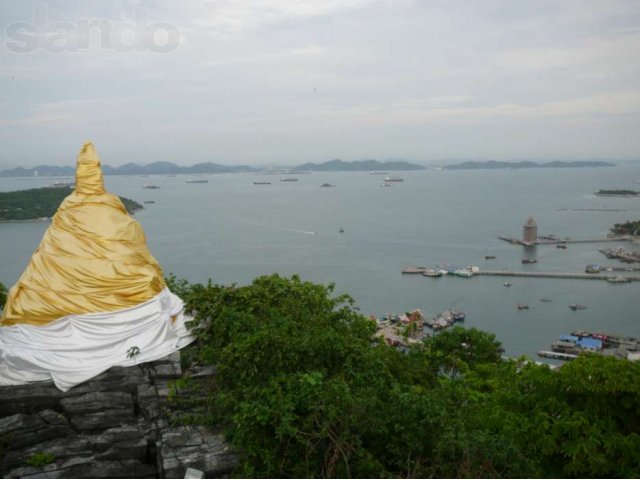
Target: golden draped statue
[93,258]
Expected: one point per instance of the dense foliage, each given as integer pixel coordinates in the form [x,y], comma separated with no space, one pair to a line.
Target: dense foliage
[304,390]
[3,295]
[40,203]
[627,228]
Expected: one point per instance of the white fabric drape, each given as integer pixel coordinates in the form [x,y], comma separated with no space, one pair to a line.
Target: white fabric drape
[76,348]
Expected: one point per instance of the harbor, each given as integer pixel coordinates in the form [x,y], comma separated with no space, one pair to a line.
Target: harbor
[568,347]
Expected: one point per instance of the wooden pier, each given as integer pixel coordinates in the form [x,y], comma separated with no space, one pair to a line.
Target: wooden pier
[556,355]
[576,276]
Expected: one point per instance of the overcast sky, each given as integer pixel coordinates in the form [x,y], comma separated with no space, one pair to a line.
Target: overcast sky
[277,82]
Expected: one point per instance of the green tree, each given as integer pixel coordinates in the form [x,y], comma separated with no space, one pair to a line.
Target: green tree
[3,295]
[304,389]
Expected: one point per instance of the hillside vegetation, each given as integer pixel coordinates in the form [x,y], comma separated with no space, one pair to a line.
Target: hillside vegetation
[303,389]
[627,228]
[38,203]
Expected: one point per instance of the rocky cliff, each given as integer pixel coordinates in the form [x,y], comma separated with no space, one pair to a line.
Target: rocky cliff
[117,425]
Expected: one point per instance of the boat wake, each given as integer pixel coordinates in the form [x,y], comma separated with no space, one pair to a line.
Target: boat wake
[279,227]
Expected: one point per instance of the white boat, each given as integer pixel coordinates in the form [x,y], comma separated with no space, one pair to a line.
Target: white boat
[393,179]
[461,272]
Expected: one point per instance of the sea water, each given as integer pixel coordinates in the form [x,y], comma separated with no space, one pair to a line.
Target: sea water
[231,231]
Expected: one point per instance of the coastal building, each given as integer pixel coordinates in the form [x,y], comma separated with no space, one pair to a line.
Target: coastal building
[530,231]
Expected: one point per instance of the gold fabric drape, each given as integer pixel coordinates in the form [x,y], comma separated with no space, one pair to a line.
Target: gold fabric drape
[93,257]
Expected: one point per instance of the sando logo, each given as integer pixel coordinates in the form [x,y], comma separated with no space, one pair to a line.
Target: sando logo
[122,36]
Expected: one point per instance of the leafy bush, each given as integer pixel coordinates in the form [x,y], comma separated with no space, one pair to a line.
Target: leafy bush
[305,390]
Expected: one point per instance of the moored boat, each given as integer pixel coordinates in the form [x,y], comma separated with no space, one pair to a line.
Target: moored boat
[575,306]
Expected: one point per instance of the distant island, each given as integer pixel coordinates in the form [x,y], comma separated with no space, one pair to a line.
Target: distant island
[492,164]
[168,168]
[357,166]
[40,203]
[617,193]
[627,228]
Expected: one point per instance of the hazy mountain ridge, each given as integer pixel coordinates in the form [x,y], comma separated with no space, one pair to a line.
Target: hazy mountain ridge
[338,165]
[168,168]
[155,168]
[493,164]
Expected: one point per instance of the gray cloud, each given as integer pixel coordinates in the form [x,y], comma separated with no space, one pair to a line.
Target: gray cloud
[289,81]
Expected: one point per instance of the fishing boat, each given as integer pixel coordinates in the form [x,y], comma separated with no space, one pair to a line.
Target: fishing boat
[393,179]
[262,183]
[150,186]
[529,260]
[489,257]
[288,179]
[522,306]
[198,180]
[507,283]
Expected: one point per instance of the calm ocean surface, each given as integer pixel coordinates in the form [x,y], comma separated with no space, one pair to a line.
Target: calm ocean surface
[230,230]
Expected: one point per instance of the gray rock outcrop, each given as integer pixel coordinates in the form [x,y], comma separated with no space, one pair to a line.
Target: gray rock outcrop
[117,425]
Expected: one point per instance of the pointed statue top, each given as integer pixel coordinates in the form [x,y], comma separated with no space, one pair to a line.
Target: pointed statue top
[89,179]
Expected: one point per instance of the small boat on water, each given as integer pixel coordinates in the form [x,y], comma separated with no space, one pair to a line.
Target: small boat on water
[393,179]
[507,283]
[198,180]
[326,185]
[522,306]
[489,257]
[262,183]
[149,201]
[619,279]
[62,185]
[432,273]
[341,230]
[150,186]
[546,300]
[529,260]
[575,306]
[461,272]
[386,184]
[413,270]
[562,246]
[288,179]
